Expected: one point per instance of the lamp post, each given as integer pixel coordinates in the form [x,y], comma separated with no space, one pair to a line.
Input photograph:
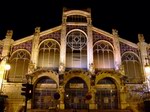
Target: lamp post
[6,67]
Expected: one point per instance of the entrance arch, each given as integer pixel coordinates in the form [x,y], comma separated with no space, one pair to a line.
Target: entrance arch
[107,94]
[44,90]
[75,92]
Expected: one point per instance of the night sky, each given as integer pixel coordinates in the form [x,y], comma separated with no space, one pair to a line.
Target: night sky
[128,17]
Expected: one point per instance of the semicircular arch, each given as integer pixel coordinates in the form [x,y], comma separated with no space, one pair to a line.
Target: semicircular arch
[83,76]
[114,78]
[49,74]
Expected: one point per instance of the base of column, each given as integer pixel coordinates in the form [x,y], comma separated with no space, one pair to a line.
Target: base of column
[92,106]
[61,106]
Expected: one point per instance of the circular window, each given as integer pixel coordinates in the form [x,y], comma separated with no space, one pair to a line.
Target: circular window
[76,40]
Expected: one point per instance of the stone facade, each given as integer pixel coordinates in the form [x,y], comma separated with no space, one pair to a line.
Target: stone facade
[88,67]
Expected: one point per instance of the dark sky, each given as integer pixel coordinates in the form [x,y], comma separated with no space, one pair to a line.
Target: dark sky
[128,17]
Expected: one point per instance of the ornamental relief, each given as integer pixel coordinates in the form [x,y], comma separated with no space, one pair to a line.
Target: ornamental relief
[26,45]
[54,35]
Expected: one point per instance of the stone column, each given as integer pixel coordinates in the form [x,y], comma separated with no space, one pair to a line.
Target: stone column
[89,43]
[35,49]
[5,55]
[123,97]
[61,100]
[92,104]
[7,43]
[117,54]
[143,51]
[63,43]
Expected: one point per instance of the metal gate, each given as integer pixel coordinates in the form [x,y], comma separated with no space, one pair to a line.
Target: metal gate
[43,94]
[106,95]
[75,92]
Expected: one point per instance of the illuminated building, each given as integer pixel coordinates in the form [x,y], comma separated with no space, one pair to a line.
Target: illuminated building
[89,68]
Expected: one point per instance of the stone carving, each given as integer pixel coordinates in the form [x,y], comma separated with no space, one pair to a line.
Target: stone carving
[9,34]
[121,69]
[92,68]
[141,38]
[31,67]
[61,67]
[37,30]
[115,32]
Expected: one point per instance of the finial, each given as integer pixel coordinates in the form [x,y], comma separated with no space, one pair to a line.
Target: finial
[115,32]
[9,33]
[141,38]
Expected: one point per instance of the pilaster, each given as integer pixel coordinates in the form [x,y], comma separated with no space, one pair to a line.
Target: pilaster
[5,55]
[35,49]
[7,43]
[63,44]
[123,98]
[143,49]
[117,54]
[61,102]
[92,104]
[89,43]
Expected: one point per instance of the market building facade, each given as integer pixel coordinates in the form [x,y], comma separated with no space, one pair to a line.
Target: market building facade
[88,67]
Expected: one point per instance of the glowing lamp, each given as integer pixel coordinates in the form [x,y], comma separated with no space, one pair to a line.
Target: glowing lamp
[7,66]
[147,68]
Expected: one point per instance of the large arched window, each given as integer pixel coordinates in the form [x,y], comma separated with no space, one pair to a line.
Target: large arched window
[49,53]
[19,66]
[103,55]
[76,51]
[132,67]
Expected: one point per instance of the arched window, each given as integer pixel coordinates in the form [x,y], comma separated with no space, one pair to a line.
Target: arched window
[49,53]
[19,66]
[76,50]
[132,67]
[103,55]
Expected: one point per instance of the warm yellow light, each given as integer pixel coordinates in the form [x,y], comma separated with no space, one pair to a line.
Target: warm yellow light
[147,68]
[7,66]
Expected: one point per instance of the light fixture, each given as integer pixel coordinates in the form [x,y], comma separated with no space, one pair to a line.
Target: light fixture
[147,68]
[7,66]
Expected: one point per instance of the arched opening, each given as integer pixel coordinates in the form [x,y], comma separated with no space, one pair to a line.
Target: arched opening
[75,94]
[44,91]
[49,53]
[106,95]
[132,67]
[103,55]
[76,50]
[19,62]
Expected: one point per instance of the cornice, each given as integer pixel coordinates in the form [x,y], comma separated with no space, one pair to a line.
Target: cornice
[41,34]
[128,42]
[23,40]
[50,30]
[102,32]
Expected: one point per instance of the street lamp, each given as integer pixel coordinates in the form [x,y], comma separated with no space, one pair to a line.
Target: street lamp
[2,69]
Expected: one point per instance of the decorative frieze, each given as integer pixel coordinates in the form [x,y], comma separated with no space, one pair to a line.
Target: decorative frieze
[26,45]
[54,35]
[97,36]
[70,27]
[124,48]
